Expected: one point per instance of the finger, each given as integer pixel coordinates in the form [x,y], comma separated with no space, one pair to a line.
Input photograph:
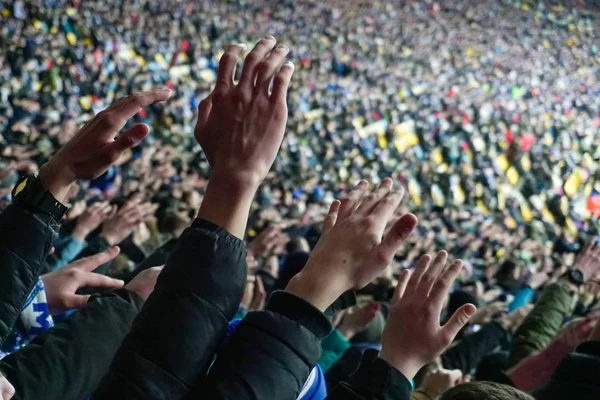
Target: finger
[331,218]
[349,203]
[432,273]
[385,209]
[259,289]
[455,375]
[128,139]
[114,117]
[282,82]
[94,280]
[444,282]
[457,321]
[420,269]
[268,67]
[396,237]
[253,60]
[93,262]
[227,66]
[371,200]
[401,286]
[204,110]
[73,301]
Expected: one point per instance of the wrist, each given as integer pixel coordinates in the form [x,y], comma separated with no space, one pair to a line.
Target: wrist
[401,363]
[318,292]
[227,205]
[55,181]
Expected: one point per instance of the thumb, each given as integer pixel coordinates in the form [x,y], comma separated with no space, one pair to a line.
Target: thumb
[75,301]
[458,320]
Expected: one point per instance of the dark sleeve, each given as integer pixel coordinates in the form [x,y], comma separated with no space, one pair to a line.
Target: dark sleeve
[467,353]
[67,361]
[543,322]
[576,377]
[177,332]
[25,240]
[270,355]
[375,379]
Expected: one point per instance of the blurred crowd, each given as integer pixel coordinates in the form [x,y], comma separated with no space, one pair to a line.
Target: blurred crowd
[486,114]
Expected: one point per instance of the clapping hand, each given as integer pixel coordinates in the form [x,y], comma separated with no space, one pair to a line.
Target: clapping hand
[118,226]
[413,336]
[90,219]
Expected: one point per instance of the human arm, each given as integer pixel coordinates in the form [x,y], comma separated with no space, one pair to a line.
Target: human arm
[412,336]
[335,266]
[68,360]
[201,286]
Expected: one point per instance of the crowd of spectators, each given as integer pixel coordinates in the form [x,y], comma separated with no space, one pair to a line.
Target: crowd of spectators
[140,134]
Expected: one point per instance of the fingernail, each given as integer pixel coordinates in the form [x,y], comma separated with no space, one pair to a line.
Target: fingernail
[242,45]
[471,311]
[289,64]
[282,47]
[270,38]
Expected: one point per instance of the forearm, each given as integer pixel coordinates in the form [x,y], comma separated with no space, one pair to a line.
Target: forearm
[227,205]
[68,361]
[543,322]
[25,240]
[196,295]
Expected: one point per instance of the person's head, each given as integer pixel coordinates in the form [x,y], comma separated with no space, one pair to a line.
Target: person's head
[484,391]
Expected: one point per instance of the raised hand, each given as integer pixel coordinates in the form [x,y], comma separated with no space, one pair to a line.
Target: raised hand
[413,336]
[351,252]
[61,285]
[588,260]
[118,226]
[96,146]
[144,282]
[90,219]
[240,128]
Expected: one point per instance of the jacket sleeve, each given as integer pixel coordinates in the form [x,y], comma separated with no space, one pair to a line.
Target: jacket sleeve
[25,240]
[576,377]
[177,332]
[543,322]
[270,355]
[67,361]
[467,353]
[375,379]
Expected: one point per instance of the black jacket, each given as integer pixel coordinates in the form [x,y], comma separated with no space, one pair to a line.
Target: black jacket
[179,329]
[25,240]
[67,361]
[182,325]
[375,379]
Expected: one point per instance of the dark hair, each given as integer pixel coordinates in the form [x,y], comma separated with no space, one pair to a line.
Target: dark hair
[484,391]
